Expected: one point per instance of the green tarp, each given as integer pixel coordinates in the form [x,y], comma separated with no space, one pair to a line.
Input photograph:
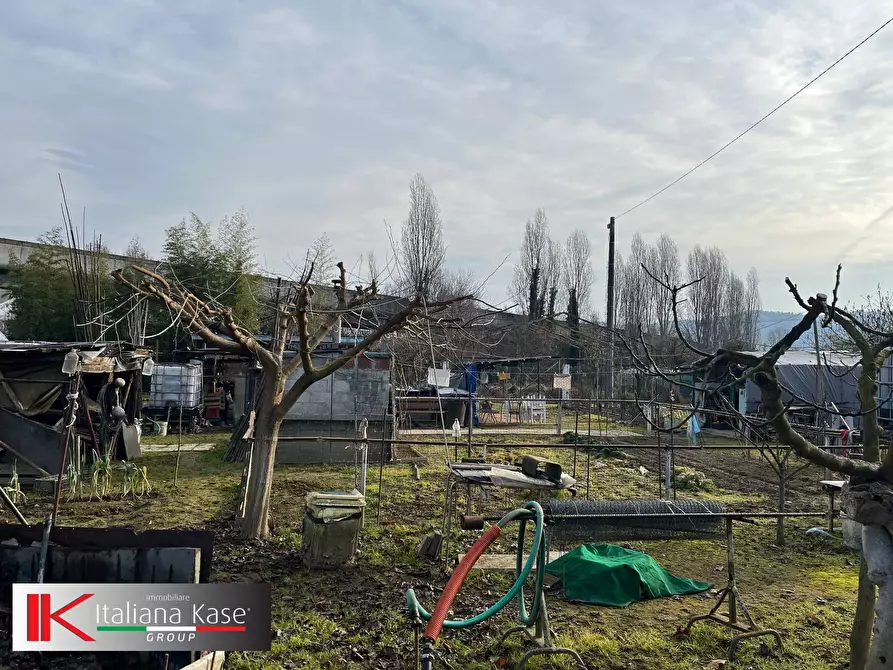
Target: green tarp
[605,574]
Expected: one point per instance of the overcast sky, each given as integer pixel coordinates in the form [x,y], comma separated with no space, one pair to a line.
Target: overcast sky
[314,116]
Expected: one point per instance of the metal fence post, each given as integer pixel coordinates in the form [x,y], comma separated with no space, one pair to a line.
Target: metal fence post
[576,435]
[668,465]
[782,498]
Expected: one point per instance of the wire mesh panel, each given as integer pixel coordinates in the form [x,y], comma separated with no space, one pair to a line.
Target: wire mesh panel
[613,520]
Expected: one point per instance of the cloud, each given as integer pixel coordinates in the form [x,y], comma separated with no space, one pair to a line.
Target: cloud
[314,117]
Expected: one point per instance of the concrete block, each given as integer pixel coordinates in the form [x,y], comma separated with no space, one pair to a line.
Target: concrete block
[852,534]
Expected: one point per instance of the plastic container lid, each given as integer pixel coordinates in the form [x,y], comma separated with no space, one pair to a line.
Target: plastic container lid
[332,505]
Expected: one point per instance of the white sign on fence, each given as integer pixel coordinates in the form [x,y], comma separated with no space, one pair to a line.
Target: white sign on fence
[562,382]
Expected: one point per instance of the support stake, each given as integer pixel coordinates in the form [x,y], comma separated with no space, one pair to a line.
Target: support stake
[745,630]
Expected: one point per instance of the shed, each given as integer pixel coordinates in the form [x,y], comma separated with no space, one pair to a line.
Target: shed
[33,400]
[800,375]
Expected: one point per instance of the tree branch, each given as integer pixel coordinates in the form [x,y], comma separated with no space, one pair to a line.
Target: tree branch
[193,314]
[830,315]
[674,292]
[305,293]
[792,287]
[767,379]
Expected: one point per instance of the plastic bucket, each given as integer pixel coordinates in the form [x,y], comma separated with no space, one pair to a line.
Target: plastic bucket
[162,428]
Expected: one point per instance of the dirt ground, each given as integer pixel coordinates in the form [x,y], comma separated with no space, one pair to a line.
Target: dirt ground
[355,617]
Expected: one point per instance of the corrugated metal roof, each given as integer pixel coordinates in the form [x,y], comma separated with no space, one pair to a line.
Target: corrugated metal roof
[807,357]
[52,346]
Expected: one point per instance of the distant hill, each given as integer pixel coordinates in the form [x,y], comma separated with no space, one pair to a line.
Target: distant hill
[773,325]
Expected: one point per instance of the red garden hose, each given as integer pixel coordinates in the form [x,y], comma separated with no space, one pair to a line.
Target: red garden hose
[439,615]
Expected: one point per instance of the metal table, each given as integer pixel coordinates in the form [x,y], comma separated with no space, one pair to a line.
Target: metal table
[468,475]
[832,487]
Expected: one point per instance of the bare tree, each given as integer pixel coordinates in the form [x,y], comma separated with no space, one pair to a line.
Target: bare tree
[708,275]
[753,305]
[373,272]
[578,283]
[135,249]
[664,263]
[551,291]
[773,336]
[635,309]
[527,280]
[456,283]
[732,319]
[719,309]
[578,266]
[285,378]
[322,255]
[138,314]
[422,250]
[875,311]
[868,497]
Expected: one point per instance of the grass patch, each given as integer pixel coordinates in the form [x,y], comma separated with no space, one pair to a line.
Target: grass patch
[354,617]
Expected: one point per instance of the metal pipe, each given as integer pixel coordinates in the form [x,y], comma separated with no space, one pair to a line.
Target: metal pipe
[716,515]
[66,436]
[588,442]
[738,516]
[576,434]
[732,594]
[529,445]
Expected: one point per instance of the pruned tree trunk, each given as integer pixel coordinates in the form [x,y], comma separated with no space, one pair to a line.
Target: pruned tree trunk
[860,636]
[266,437]
[285,378]
[872,506]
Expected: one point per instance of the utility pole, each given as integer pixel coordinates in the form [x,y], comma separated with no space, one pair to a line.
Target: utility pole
[819,376]
[610,315]
[276,312]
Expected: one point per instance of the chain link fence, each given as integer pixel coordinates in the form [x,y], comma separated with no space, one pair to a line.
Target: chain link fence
[610,449]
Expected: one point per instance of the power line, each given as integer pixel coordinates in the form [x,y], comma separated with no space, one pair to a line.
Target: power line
[730,143]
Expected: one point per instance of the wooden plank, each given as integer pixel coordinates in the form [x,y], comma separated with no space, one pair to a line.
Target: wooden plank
[212,661]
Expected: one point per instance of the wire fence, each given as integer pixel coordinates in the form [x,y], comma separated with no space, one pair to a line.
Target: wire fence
[613,450]
[420,474]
